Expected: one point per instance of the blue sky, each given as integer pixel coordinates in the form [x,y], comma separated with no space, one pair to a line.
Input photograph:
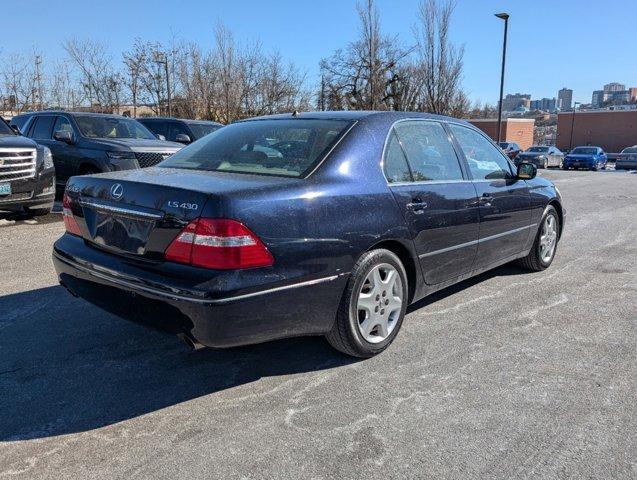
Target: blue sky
[579,44]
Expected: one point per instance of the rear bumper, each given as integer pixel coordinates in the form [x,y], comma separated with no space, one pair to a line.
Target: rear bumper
[625,165]
[301,307]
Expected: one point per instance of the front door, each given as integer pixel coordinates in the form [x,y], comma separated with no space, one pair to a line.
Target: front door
[437,200]
[66,157]
[505,205]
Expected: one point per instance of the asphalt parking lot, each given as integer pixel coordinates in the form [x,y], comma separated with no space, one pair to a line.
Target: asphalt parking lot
[508,375]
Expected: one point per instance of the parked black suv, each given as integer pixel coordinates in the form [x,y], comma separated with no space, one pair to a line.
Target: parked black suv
[179,130]
[83,143]
[27,176]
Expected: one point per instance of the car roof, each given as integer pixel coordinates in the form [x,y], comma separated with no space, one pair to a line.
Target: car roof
[186,120]
[88,114]
[353,115]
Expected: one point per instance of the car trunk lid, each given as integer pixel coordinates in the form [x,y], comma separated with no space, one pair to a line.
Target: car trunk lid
[140,212]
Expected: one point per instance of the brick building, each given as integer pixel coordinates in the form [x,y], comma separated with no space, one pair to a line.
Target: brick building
[613,130]
[518,130]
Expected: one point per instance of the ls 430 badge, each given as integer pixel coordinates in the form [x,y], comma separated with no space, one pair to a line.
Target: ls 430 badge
[183,205]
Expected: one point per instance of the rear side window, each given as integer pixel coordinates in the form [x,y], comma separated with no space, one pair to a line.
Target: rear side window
[43,128]
[395,162]
[429,152]
[485,160]
[288,148]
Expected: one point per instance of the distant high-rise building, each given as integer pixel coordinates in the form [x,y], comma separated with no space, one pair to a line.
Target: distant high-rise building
[632,93]
[565,98]
[512,102]
[614,87]
[598,99]
[545,104]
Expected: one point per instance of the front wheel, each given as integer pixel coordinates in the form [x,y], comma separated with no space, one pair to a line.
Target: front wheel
[543,251]
[373,305]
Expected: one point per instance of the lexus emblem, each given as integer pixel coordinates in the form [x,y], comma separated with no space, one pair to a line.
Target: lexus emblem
[117,191]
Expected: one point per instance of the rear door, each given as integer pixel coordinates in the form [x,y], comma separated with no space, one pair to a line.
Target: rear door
[505,205]
[438,201]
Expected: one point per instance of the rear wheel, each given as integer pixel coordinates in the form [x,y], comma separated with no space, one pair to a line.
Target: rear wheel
[373,305]
[543,252]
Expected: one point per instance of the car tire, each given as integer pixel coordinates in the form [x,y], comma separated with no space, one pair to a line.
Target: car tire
[39,212]
[347,334]
[536,260]
[545,164]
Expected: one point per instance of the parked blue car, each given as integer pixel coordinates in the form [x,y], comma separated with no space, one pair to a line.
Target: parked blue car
[588,158]
[327,223]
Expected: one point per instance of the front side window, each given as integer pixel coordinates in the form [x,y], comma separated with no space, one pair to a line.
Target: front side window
[428,150]
[200,130]
[288,148]
[93,126]
[485,160]
[538,149]
[62,124]
[174,129]
[5,129]
[43,128]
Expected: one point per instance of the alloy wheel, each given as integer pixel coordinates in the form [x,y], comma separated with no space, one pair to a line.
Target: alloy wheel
[548,238]
[379,303]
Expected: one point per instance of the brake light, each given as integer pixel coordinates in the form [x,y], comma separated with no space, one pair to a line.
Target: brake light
[70,223]
[218,243]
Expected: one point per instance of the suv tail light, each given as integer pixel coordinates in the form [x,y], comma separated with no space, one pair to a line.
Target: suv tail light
[70,223]
[218,243]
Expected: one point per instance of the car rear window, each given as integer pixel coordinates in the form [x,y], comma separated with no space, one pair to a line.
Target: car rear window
[584,151]
[287,148]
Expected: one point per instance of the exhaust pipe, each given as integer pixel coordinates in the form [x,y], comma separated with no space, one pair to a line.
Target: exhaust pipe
[190,342]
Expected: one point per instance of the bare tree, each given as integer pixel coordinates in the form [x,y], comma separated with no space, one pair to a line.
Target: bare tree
[94,64]
[438,65]
[364,75]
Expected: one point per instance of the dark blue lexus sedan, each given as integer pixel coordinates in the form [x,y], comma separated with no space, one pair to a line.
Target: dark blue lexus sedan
[326,223]
[589,158]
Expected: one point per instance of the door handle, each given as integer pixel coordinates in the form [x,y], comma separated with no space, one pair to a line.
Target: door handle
[417,206]
[486,200]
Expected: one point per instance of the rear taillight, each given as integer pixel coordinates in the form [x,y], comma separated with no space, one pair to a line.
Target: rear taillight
[218,243]
[70,223]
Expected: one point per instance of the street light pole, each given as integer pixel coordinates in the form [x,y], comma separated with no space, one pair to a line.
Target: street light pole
[570,143]
[505,17]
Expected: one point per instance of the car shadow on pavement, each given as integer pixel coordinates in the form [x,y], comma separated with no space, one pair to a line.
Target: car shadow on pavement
[66,366]
[503,271]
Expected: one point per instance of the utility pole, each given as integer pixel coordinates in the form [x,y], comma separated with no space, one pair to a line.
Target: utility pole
[505,17]
[322,96]
[570,143]
[38,82]
[162,58]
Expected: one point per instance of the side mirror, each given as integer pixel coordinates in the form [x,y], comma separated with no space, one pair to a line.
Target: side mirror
[64,136]
[160,137]
[182,138]
[526,171]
